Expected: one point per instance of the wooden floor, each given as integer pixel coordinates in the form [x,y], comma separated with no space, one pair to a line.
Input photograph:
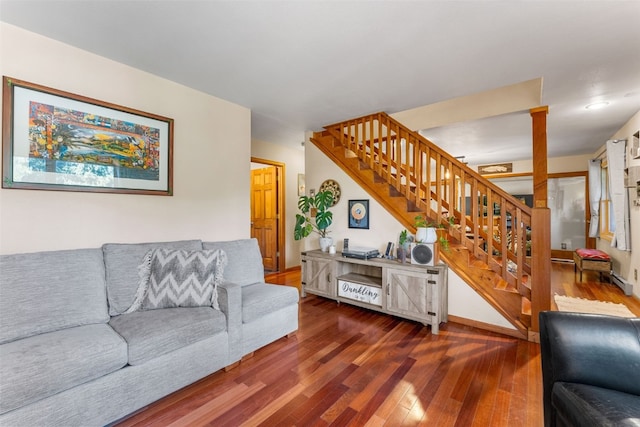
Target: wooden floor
[348,366]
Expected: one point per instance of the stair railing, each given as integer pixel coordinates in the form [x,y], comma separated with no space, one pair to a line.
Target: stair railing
[488,221]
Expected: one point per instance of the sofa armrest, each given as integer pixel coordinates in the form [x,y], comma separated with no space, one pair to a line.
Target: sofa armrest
[598,350]
[230,301]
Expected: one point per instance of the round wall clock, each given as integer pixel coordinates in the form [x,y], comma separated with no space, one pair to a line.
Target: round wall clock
[333,187]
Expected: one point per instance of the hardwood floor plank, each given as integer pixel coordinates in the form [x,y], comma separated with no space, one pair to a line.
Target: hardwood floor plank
[534,385]
[345,418]
[341,348]
[374,402]
[368,384]
[471,382]
[278,402]
[447,416]
[417,378]
[246,408]
[485,403]
[499,417]
[215,407]
[281,416]
[518,408]
[428,396]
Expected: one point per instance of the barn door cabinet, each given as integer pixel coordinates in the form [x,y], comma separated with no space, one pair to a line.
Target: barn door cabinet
[409,291]
[418,295]
[318,274]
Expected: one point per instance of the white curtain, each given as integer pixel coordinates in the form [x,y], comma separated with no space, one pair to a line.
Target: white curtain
[595,193]
[618,193]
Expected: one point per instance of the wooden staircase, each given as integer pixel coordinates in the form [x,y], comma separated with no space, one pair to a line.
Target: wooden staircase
[409,176]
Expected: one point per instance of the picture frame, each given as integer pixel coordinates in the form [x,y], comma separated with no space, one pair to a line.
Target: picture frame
[56,140]
[497,168]
[358,214]
[301,185]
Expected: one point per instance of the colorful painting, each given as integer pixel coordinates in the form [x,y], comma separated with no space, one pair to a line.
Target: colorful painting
[56,140]
[61,134]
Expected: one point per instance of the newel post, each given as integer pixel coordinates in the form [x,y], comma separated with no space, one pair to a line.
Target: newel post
[540,223]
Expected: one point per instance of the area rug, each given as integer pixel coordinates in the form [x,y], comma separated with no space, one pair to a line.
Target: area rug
[581,305]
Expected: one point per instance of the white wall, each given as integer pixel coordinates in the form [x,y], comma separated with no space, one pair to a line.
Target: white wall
[466,303]
[294,164]
[212,150]
[382,226]
[624,263]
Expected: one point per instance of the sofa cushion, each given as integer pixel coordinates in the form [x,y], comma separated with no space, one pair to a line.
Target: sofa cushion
[42,365]
[121,262]
[179,278]
[152,333]
[47,291]
[260,299]
[587,405]
[245,260]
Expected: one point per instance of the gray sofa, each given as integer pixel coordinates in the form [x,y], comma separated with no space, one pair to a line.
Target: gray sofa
[70,354]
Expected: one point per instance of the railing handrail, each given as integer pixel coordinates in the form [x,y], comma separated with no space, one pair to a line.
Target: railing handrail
[494,188]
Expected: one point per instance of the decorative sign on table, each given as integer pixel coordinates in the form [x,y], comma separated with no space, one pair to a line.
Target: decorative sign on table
[359,292]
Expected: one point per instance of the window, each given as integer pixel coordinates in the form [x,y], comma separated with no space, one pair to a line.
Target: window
[607,218]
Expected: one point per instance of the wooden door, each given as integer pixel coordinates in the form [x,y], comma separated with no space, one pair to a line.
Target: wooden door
[264,214]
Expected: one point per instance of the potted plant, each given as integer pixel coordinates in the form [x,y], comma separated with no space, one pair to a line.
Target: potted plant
[444,243]
[441,229]
[315,216]
[425,231]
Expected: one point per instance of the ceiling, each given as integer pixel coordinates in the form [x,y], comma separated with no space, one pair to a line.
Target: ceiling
[299,65]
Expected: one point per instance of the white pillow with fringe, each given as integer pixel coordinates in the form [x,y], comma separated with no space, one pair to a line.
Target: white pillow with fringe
[179,278]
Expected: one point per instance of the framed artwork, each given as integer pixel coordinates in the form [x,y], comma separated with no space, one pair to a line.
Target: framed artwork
[55,140]
[496,168]
[359,214]
[301,185]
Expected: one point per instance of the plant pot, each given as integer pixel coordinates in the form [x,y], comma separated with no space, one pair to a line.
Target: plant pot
[325,242]
[426,235]
[401,254]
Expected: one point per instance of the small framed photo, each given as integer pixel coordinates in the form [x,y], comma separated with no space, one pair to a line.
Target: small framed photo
[359,214]
[301,185]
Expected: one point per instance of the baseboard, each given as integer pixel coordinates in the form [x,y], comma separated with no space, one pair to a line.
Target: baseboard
[487,327]
[626,287]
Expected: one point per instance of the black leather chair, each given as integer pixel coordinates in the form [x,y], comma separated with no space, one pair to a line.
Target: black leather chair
[590,369]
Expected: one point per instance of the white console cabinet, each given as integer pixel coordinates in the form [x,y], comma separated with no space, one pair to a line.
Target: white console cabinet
[409,291]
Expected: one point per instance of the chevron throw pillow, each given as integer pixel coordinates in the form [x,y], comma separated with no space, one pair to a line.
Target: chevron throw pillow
[179,278]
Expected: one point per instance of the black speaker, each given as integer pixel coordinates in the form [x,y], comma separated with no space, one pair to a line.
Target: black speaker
[423,253]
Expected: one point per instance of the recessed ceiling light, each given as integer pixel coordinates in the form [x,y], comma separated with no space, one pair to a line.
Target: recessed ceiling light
[597,105]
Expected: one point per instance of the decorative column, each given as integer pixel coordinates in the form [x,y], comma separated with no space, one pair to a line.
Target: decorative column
[540,224]
[539,138]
